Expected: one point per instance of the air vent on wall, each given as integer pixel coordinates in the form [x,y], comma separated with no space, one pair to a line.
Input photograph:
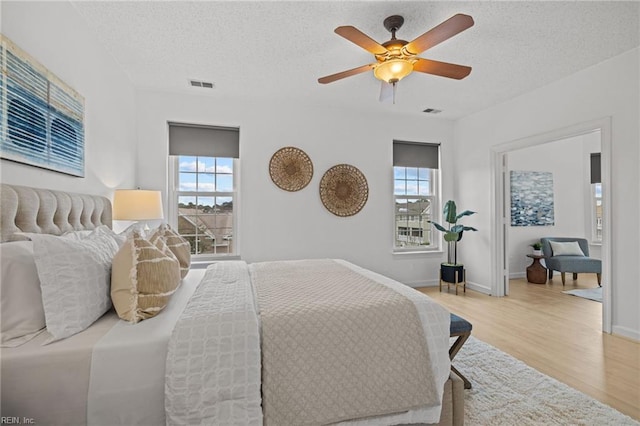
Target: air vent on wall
[204,84]
[432,111]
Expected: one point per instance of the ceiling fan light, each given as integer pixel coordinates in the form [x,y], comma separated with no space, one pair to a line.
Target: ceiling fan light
[393,70]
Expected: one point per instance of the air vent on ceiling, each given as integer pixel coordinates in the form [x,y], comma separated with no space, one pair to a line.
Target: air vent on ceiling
[204,84]
[432,111]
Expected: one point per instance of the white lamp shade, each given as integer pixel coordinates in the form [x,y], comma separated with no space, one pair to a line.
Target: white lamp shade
[137,204]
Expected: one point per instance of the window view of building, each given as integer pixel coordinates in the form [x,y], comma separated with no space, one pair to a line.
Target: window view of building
[205,195]
[597,204]
[414,199]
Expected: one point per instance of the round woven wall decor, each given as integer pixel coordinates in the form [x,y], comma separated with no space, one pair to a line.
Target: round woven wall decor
[290,168]
[344,190]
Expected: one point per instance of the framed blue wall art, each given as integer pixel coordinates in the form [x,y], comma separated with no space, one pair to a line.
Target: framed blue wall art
[531,198]
[41,117]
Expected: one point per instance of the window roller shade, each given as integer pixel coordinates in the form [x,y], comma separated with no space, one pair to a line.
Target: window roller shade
[204,141]
[414,154]
[595,168]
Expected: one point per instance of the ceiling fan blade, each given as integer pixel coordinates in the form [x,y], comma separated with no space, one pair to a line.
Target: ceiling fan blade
[443,69]
[386,91]
[333,77]
[452,26]
[356,36]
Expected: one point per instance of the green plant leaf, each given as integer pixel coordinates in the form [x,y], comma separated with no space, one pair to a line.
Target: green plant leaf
[457,228]
[439,227]
[449,212]
[465,213]
[469,228]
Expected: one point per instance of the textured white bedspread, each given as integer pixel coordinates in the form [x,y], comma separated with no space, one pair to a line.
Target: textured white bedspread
[213,363]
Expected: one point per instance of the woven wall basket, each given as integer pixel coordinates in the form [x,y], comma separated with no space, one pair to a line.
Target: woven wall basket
[344,190]
[290,168]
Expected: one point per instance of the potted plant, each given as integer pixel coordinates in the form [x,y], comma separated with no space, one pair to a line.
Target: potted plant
[537,248]
[452,234]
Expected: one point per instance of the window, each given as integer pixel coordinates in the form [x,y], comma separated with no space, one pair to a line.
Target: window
[205,195]
[596,191]
[596,198]
[203,187]
[415,175]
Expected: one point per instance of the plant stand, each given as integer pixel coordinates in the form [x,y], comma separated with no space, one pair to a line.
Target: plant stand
[453,274]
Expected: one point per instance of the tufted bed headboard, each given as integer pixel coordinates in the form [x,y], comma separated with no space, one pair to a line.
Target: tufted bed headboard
[45,211]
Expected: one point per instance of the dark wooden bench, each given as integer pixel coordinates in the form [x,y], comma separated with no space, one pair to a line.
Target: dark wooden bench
[460,328]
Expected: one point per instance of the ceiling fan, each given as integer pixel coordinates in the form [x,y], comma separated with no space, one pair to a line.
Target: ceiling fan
[395,59]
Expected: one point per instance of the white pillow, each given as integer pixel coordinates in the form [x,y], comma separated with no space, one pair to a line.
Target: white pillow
[21,311]
[75,235]
[570,248]
[104,229]
[75,280]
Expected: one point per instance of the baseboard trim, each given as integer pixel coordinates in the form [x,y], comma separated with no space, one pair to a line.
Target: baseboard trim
[516,275]
[479,288]
[423,283]
[626,332]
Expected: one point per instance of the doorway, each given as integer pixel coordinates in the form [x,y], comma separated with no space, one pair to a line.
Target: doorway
[501,204]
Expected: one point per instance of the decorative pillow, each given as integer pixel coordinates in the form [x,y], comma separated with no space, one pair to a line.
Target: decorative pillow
[74,235]
[77,235]
[177,244]
[21,310]
[143,278]
[74,278]
[570,248]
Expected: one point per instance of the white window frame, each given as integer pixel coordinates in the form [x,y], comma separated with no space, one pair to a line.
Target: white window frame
[174,194]
[434,198]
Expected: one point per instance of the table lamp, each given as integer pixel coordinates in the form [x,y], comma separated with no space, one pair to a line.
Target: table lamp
[137,205]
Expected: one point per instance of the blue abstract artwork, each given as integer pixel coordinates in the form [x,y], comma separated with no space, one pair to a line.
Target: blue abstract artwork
[41,117]
[531,198]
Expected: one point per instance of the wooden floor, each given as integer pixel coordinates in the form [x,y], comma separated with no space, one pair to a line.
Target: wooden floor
[557,334]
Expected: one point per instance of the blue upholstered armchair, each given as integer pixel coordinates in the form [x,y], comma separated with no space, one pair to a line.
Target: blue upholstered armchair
[567,257]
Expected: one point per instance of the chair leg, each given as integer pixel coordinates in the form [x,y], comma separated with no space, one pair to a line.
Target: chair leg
[467,383]
[599,275]
[550,273]
[575,276]
[562,274]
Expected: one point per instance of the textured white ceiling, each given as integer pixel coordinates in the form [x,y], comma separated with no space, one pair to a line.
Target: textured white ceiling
[277,50]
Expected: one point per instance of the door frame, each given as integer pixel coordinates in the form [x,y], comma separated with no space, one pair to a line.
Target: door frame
[499,205]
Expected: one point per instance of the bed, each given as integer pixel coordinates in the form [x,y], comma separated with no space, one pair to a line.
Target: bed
[218,350]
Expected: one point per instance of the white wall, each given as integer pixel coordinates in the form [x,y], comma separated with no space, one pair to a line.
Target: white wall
[276,224]
[609,89]
[79,60]
[569,162]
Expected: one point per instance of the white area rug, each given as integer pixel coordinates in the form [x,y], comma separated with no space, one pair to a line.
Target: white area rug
[587,293]
[506,391]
